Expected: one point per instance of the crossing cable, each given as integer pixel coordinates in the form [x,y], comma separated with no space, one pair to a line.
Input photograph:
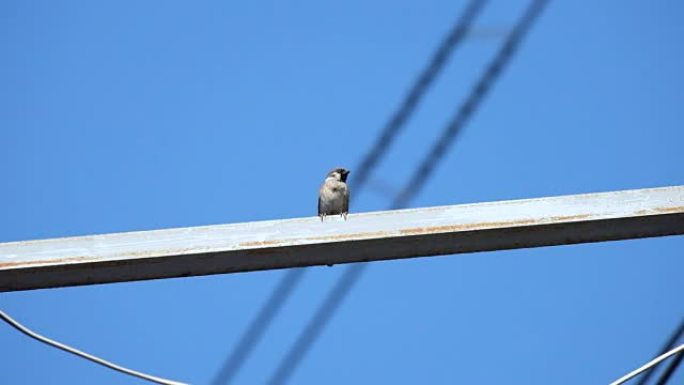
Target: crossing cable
[15,324]
[258,326]
[650,364]
[344,285]
[359,179]
[413,97]
[676,335]
[671,368]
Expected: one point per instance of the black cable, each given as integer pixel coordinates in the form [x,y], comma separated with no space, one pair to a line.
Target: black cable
[669,345]
[671,368]
[251,337]
[317,323]
[359,178]
[465,112]
[413,97]
[325,313]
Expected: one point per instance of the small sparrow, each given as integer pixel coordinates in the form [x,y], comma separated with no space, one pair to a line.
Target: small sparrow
[333,197]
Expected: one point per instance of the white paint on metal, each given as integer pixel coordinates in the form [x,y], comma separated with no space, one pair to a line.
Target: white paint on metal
[364,236]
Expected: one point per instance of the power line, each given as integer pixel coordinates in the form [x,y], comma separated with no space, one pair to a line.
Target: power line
[317,323]
[413,97]
[669,344]
[465,112]
[251,337]
[397,121]
[326,311]
[678,350]
[12,322]
[671,368]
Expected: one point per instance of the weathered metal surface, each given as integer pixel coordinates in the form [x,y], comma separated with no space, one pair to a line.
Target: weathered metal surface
[369,236]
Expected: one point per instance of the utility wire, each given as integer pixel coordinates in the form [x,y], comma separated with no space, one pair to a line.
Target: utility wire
[413,97]
[317,323]
[358,180]
[337,295]
[676,335]
[648,365]
[256,329]
[465,112]
[671,368]
[12,322]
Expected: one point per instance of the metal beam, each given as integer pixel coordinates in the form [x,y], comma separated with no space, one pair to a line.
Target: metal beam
[363,237]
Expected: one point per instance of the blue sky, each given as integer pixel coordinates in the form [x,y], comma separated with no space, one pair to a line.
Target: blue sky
[126,115]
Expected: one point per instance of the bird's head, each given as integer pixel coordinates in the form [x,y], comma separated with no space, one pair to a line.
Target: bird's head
[339,174]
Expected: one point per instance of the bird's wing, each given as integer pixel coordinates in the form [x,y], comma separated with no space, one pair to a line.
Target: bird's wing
[345,203]
[319,205]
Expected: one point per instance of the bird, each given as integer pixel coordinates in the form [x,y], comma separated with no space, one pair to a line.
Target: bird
[333,196]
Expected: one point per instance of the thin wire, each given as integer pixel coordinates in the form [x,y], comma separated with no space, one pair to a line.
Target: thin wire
[317,323]
[358,180]
[648,365]
[669,371]
[251,337]
[413,97]
[12,322]
[351,275]
[465,112]
[671,342]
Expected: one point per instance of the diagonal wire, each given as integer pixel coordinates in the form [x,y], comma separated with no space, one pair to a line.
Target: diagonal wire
[15,324]
[671,368]
[260,323]
[337,295]
[413,97]
[669,344]
[649,365]
[674,337]
[359,178]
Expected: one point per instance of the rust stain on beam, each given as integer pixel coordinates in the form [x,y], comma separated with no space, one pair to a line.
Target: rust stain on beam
[58,261]
[371,236]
